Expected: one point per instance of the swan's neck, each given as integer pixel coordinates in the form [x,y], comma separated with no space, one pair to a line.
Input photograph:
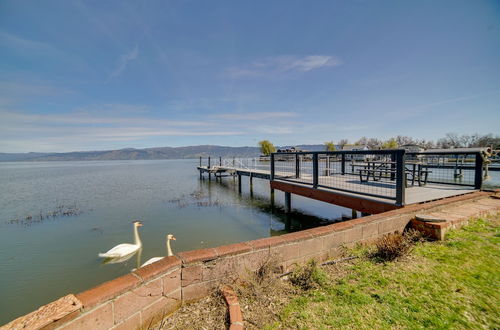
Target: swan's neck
[137,239]
[169,249]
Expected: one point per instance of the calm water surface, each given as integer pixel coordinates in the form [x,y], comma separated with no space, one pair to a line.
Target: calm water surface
[43,259]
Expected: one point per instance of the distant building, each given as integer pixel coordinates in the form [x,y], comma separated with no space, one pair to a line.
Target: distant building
[412,148]
[354,147]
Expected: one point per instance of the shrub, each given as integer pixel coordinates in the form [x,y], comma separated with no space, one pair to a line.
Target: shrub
[395,245]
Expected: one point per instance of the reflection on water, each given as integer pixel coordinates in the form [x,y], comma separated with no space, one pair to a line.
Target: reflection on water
[124,258]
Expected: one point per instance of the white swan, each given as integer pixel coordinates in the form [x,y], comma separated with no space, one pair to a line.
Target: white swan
[169,251]
[122,250]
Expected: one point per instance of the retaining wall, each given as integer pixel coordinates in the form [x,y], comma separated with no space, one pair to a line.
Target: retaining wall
[151,292]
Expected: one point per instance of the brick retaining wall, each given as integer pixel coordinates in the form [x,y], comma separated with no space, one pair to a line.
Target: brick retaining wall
[147,294]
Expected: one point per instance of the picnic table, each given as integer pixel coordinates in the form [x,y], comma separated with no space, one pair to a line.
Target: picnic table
[417,171]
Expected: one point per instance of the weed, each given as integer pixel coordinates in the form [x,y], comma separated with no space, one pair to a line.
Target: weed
[309,276]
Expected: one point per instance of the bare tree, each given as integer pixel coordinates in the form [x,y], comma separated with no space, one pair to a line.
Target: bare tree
[362,142]
[343,142]
[402,140]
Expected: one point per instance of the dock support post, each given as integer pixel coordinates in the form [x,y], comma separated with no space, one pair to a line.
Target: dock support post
[297,166]
[400,177]
[272,198]
[288,222]
[239,183]
[251,185]
[354,214]
[315,170]
[209,174]
[343,164]
[288,202]
[478,174]
[272,167]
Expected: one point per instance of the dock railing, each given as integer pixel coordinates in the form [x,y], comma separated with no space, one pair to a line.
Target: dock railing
[373,173]
[384,174]
[246,163]
[452,167]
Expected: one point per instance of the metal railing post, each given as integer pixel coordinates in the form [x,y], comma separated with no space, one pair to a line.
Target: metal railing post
[200,161]
[208,162]
[220,161]
[272,167]
[400,177]
[393,166]
[297,166]
[478,173]
[343,164]
[327,165]
[315,170]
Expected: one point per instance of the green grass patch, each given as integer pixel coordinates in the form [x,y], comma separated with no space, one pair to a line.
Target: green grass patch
[448,284]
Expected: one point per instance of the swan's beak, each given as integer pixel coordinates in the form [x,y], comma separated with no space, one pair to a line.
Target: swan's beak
[139,224]
[173,238]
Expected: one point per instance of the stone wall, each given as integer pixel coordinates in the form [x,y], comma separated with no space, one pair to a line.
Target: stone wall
[151,292]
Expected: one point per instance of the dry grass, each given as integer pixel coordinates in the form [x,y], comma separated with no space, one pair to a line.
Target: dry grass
[395,245]
[262,295]
[207,313]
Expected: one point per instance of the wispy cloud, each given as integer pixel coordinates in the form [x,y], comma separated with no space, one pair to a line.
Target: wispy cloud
[122,62]
[15,89]
[257,115]
[284,64]
[309,63]
[39,50]
[415,111]
[16,42]
[70,131]
[76,118]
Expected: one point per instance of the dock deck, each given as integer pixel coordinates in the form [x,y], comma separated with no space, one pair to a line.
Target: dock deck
[332,188]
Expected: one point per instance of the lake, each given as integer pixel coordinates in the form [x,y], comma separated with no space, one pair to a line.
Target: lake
[55,217]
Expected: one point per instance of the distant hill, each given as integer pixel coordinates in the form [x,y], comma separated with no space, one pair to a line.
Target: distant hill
[148,153]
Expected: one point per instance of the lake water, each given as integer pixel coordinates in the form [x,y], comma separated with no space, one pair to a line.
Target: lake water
[45,254]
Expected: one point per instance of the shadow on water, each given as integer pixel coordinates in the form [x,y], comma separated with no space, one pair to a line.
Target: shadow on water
[293,221]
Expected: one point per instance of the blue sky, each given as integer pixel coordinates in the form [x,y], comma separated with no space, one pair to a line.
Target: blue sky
[96,75]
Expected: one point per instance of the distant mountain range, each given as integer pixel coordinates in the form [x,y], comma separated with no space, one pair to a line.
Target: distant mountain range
[148,153]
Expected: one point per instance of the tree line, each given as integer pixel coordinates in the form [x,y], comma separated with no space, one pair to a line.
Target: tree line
[450,140]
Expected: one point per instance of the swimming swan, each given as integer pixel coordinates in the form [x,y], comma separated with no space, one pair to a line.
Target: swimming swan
[122,250]
[169,251]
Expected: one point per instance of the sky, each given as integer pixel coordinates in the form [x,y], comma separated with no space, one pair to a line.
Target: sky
[100,75]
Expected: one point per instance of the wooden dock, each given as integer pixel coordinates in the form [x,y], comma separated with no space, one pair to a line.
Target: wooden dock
[330,188]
